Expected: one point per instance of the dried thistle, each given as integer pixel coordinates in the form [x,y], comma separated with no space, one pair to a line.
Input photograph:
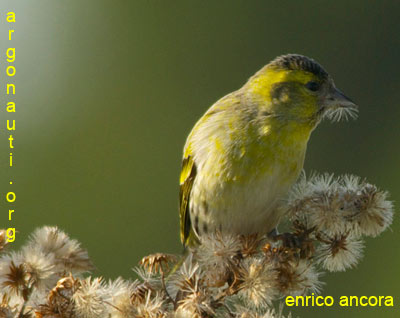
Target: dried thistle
[334,206]
[225,276]
[373,212]
[250,244]
[154,263]
[3,239]
[298,278]
[89,298]
[14,276]
[245,312]
[152,307]
[59,300]
[67,253]
[340,252]
[257,282]
[6,309]
[218,255]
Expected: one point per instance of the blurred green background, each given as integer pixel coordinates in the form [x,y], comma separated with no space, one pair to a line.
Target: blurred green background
[107,92]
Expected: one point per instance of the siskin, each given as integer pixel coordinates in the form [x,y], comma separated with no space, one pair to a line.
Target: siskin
[248,149]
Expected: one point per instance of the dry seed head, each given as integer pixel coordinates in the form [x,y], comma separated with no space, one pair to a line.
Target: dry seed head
[13,275]
[65,288]
[188,277]
[68,254]
[218,248]
[374,211]
[59,300]
[219,276]
[335,206]
[245,312]
[150,280]
[184,278]
[89,299]
[338,113]
[6,309]
[322,211]
[197,303]
[217,256]
[132,300]
[297,278]
[40,268]
[250,244]
[3,239]
[154,262]
[340,253]
[152,307]
[257,282]
[123,295]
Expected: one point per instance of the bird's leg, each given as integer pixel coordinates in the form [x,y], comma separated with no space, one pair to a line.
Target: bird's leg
[272,234]
[289,240]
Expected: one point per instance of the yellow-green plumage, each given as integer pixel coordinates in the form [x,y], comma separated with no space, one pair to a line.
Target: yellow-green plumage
[248,149]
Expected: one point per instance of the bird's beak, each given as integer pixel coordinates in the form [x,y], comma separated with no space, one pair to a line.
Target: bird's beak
[335,106]
[336,99]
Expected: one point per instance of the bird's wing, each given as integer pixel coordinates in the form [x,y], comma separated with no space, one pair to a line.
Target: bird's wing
[188,174]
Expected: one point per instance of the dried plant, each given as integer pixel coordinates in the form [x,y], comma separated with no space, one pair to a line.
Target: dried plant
[225,276]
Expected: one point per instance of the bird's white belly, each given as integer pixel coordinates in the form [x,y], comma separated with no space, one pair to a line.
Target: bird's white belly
[239,207]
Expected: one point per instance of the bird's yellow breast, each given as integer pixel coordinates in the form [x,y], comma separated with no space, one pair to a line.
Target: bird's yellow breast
[242,174]
[236,155]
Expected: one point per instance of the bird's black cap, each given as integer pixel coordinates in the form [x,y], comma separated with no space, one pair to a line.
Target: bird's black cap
[299,62]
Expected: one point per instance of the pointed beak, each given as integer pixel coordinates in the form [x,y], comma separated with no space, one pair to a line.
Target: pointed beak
[337,99]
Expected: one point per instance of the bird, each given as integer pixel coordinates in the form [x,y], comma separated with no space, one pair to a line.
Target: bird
[244,154]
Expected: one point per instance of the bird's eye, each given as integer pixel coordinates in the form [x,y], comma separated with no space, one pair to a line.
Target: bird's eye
[313,86]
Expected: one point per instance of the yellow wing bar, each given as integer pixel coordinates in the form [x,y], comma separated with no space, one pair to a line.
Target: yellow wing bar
[188,174]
